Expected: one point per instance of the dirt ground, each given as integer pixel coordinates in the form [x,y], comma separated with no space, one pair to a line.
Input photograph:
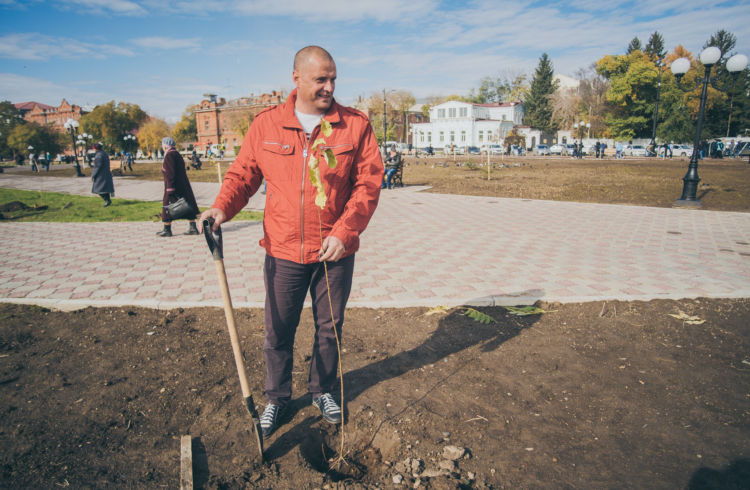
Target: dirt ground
[594,395]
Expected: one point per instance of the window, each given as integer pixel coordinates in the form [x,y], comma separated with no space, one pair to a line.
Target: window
[463,136]
[504,117]
[441,113]
[421,136]
[481,136]
[451,112]
[441,137]
[463,111]
[453,135]
[429,137]
[205,124]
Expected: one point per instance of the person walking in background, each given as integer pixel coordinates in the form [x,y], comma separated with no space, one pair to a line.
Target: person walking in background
[618,150]
[176,185]
[604,147]
[101,176]
[302,242]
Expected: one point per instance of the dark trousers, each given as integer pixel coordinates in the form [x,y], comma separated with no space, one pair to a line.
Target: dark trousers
[105,196]
[287,284]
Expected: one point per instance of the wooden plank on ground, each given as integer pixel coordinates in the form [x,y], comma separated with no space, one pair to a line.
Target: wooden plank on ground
[186,463]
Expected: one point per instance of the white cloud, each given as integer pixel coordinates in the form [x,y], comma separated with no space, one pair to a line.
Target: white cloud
[157,42]
[121,7]
[321,10]
[40,47]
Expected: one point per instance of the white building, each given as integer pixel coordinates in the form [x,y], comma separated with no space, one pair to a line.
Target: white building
[465,124]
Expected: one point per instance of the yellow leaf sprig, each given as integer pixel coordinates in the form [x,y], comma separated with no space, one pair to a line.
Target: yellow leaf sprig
[318,154]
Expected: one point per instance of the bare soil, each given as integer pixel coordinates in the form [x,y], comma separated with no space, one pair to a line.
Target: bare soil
[594,395]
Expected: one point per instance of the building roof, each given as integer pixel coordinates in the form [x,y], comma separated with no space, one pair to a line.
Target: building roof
[27,106]
[502,104]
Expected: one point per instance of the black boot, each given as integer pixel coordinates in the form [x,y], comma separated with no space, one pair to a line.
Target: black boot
[193,230]
[167,231]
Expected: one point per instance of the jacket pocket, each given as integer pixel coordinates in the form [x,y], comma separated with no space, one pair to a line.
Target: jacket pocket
[344,153]
[278,147]
[277,161]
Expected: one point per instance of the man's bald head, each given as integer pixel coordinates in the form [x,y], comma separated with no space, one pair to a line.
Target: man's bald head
[305,54]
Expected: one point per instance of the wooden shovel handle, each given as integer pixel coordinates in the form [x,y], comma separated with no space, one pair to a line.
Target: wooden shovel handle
[231,327]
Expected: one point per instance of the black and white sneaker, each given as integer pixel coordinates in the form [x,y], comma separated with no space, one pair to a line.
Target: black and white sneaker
[328,408]
[269,421]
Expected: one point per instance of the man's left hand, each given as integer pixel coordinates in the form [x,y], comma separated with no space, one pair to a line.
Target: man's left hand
[332,250]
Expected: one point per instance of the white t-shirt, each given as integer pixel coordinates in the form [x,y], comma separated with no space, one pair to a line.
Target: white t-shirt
[308,121]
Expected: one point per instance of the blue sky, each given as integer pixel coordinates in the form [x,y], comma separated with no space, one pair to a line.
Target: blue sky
[163,55]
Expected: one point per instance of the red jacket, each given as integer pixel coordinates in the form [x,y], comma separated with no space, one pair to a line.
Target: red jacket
[276,148]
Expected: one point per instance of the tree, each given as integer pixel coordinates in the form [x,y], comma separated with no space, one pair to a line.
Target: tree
[108,123]
[185,130]
[537,102]
[631,93]
[593,92]
[238,119]
[635,45]
[566,107]
[501,89]
[403,100]
[655,46]
[151,133]
[43,139]
[724,40]
[10,117]
[728,115]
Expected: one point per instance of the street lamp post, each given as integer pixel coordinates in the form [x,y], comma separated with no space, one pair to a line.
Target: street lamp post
[709,57]
[72,126]
[656,106]
[580,127]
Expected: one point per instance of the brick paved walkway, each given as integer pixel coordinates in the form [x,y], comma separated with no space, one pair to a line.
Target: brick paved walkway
[421,249]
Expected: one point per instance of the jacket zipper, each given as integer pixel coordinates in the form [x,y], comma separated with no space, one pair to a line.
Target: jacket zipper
[302,210]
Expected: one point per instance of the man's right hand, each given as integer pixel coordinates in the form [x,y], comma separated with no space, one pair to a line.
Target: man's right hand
[218,216]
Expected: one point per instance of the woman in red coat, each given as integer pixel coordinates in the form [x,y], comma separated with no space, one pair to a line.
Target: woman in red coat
[176,185]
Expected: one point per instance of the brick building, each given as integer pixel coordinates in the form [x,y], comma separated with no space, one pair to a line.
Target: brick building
[215,117]
[48,115]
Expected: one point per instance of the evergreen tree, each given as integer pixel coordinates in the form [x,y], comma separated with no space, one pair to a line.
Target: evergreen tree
[655,46]
[537,102]
[635,45]
[724,40]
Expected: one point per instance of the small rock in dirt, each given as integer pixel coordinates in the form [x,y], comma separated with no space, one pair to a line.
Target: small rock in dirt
[432,473]
[471,476]
[453,452]
[447,465]
[446,434]
[397,479]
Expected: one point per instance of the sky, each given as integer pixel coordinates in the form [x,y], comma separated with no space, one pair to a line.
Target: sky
[165,54]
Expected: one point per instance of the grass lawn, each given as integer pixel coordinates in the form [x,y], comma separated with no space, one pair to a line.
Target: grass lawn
[21,205]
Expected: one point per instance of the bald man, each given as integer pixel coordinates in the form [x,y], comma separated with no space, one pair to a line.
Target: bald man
[298,236]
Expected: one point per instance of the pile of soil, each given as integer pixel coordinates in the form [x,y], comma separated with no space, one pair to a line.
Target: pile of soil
[8,209]
[594,395]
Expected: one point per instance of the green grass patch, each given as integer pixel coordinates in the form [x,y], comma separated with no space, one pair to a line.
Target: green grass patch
[22,205]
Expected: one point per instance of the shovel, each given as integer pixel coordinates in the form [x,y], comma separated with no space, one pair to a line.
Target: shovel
[215,244]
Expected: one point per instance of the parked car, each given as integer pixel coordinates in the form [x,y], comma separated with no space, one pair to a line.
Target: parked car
[589,150]
[542,150]
[517,150]
[635,150]
[428,150]
[682,150]
[556,149]
[473,150]
[496,149]
[449,151]
[569,149]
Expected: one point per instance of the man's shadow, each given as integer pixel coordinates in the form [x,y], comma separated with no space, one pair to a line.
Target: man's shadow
[454,333]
